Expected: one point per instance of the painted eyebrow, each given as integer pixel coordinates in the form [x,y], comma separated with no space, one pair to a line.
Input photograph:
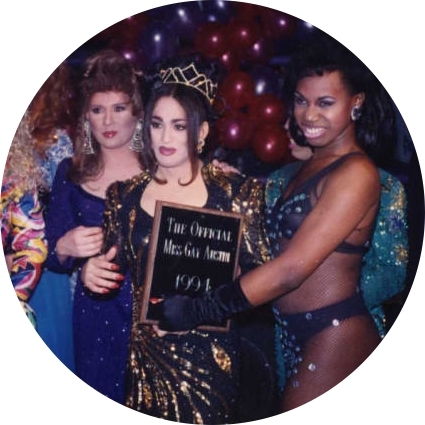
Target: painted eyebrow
[98,105]
[175,120]
[326,97]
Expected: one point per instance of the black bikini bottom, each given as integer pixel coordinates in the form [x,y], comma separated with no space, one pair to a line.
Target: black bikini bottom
[294,330]
[307,324]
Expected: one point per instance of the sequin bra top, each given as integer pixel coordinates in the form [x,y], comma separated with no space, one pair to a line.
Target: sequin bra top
[286,216]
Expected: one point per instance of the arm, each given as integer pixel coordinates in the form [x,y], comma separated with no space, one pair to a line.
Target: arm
[348,201]
[67,240]
[102,274]
[349,197]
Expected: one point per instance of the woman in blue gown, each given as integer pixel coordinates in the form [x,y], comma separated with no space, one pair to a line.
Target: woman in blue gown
[106,150]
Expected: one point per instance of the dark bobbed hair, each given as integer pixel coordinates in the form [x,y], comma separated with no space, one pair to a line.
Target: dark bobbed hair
[197,107]
[105,71]
[323,54]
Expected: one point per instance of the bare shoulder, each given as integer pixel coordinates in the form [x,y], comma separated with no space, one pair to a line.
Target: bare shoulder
[356,181]
[358,169]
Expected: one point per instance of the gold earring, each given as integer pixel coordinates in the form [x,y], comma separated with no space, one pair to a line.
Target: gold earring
[200,146]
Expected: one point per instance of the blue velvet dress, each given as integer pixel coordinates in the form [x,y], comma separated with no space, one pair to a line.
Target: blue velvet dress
[101,325]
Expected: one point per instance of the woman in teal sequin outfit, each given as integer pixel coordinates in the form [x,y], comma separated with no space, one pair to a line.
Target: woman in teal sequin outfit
[384,268]
[320,227]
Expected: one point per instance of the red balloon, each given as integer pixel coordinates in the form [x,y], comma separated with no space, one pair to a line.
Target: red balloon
[132,26]
[277,24]
[234,130]
[243,33]
[270,143]
[267,108]
[230,60]
[237,89]
[247,10]
[211,39]
[259,52]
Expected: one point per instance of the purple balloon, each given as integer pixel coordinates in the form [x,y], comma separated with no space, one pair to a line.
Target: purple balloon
[183,19]
[217,10]
[156,42]
[266,80]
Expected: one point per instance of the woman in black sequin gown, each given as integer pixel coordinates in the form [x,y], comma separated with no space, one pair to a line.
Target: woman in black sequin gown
[200,376]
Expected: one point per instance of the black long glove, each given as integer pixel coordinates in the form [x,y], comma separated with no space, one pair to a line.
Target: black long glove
[181,313]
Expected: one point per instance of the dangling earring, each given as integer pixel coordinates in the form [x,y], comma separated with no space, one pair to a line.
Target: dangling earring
[87,147]
[137,144]
[200,146]
[356,113]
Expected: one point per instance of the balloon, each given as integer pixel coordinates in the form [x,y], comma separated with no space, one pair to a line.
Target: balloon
[266,79]
[247,10]
[259,52]
[230,60]
[267,108]
[278,25]
[216,10]
[211,39]
[132,26]
[242,32]
[305,32]
[129,53]
[270,143]
[157,42]
[237,89]
[183,19]
[234,130]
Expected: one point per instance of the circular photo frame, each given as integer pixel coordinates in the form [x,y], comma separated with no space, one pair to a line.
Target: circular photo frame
[251,46]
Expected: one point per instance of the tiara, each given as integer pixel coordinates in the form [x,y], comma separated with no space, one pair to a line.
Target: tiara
[190,76]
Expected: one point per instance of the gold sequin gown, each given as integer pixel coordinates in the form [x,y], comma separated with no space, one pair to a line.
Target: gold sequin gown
[202,377]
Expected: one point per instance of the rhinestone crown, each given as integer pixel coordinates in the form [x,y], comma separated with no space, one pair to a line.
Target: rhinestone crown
[189,76]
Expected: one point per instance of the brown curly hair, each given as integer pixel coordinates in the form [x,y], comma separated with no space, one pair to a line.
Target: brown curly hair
[105,71]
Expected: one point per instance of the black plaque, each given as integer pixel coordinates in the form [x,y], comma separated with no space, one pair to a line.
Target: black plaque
[192,250]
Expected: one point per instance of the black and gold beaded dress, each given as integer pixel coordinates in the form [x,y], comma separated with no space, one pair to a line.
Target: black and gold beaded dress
[202,377]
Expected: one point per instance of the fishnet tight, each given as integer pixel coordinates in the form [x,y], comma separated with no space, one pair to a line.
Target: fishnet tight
[328,358]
